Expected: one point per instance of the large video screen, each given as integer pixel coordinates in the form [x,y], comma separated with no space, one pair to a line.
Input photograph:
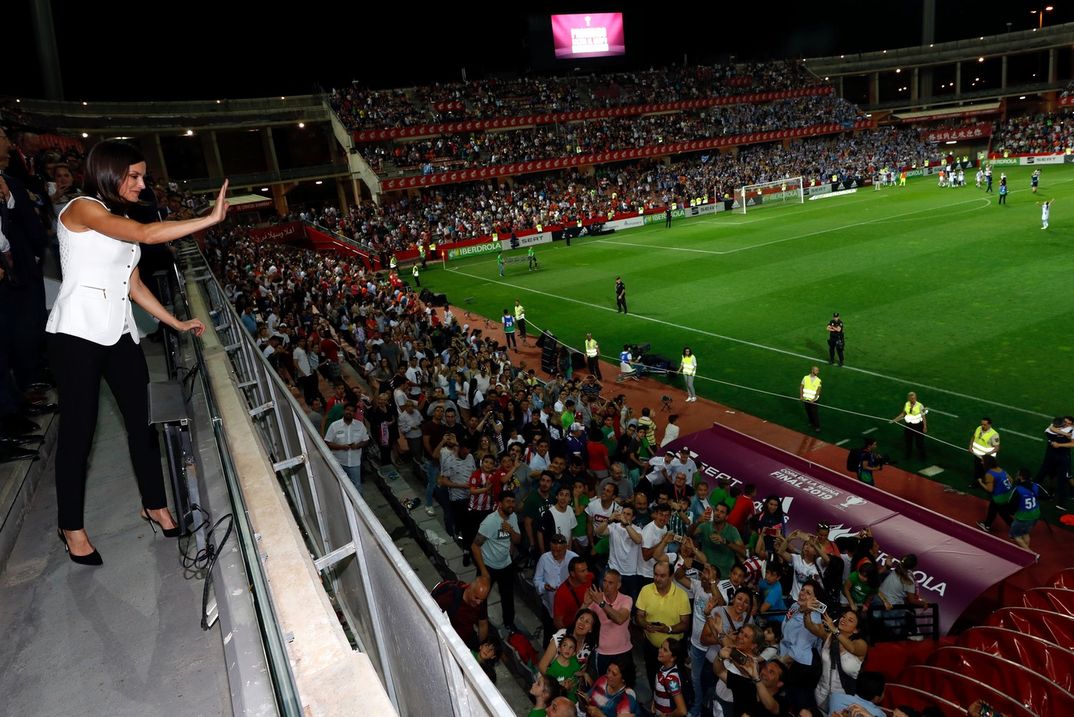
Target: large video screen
[595,34]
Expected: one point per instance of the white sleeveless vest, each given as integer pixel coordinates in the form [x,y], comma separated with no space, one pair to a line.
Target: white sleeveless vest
[94,300]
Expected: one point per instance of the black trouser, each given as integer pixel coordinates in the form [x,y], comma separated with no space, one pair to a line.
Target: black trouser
[78,366]
[1003,510]
[911,435]
[504,578]
[310,386]
[620,304]
[27,335]
[510,337]
[521,324]
[812,413]
[593,364]
[833,348]
[470,525]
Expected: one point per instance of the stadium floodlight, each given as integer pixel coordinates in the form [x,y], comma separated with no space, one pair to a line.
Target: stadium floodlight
[781,192]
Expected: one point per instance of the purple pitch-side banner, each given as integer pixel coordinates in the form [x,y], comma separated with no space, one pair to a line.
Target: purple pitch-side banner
[956,563]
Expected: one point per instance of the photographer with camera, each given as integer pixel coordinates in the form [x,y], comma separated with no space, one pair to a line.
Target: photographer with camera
[869,460]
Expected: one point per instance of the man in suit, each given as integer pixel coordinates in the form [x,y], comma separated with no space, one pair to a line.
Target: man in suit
[22,310]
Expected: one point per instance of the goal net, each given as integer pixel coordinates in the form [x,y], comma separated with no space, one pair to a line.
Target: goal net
[778,193]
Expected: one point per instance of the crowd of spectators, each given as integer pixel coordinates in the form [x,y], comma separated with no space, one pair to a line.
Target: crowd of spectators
[563,140]
[463,211]
[1041,133]
[547,484]
[362,108]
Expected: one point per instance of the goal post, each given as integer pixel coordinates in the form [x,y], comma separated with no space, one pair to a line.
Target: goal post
[788,190]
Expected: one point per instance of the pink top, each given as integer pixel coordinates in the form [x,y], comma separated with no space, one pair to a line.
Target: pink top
[614,639]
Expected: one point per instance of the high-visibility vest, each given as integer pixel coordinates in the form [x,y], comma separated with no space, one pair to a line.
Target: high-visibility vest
[432,247]
[579,223]
[414,271]
[810,387]
[982,441]
[914,413]
[689,365]
[421,250]
[520,313]
[393,263]
[591,348]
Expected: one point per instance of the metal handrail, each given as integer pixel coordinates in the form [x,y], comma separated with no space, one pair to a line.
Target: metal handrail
[383,603]
[280,674]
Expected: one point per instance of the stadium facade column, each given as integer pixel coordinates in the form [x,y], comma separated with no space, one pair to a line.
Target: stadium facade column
[914,80]
[1003,73]
[269,148]
[211,149]
[874,89]
[155,155]
[341,194]
[958,79]
[1050,97]
[924,86]
[839,86]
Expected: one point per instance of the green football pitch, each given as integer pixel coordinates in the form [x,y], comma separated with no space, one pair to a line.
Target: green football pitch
[943,291]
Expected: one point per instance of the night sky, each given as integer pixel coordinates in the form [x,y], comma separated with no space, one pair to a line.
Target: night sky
[229,49]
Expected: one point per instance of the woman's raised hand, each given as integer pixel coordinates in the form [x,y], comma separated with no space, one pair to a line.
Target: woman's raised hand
[220,208]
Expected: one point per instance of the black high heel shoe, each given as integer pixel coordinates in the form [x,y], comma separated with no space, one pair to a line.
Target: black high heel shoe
[168,532]
[93,558]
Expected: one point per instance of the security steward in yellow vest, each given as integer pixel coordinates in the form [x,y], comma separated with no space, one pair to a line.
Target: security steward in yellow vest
[914,424]
[417,275]
[985,443]
[592,356]
[520,320]
[809,392]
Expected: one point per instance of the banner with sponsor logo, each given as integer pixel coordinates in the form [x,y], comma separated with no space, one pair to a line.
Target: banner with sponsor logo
[954,134]
[280,233]
[528,240]
[483,125]
[628,223]
[679,213]
[956,563]
[816,190]
[1042,159]
[620,155]
[489,247]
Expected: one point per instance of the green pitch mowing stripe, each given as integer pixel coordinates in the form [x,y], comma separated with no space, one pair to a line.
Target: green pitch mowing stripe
[943,291]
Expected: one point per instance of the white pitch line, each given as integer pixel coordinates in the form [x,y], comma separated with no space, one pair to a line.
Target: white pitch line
[942,413]
[867,431]
[753,344]
[845,440]
[1023,435]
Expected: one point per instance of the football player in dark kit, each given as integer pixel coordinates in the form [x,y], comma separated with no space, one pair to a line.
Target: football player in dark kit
[836,338]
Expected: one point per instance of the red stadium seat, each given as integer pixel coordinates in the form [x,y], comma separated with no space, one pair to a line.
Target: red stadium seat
[1051,626]
[962,690]
[1058,600]
[1041,656]
[1065,579]
[1035,691]
[896,695]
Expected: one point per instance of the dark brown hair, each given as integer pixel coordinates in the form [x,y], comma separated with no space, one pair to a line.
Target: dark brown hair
[106,168]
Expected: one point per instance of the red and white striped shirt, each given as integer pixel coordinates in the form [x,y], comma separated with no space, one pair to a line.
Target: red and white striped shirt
[668,685]
[482,502]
